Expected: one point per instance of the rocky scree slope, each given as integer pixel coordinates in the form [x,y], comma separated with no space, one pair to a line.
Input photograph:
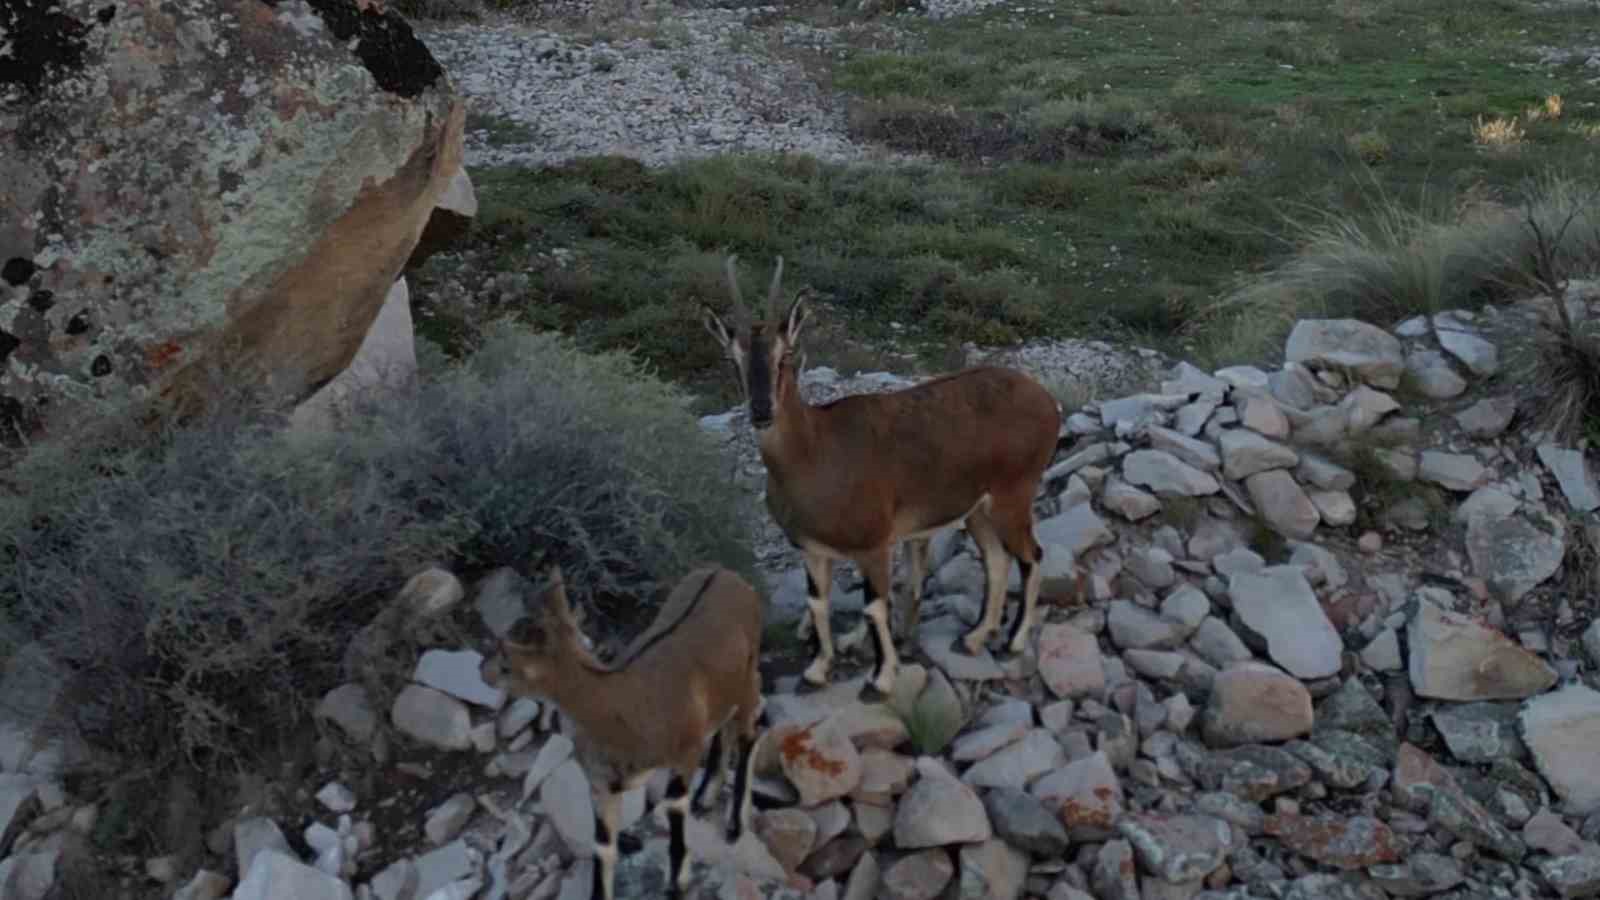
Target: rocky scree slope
[1286,683]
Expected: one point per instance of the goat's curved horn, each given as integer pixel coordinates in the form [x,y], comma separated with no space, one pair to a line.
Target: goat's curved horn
[741,313]
[775,289]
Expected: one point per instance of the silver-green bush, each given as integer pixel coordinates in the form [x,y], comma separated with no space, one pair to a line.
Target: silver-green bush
[198,588]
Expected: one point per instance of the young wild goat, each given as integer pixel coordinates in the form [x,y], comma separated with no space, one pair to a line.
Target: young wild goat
[691,675]
[852,478]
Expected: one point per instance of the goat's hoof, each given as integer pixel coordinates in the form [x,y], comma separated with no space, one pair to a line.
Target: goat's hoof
[871,693]
[629,844]
[804,687]
[959,645]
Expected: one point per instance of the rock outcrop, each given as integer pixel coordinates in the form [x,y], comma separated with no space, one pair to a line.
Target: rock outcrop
[210,182]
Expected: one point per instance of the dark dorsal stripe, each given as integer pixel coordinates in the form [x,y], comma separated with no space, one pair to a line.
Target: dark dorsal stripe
[688,610]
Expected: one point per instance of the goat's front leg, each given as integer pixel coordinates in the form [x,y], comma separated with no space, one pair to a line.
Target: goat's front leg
[877,591]
[716,772]
[677,804]
[608,812]
[819,585]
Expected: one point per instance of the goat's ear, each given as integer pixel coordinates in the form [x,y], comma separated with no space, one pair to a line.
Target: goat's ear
[716,327]
[796,319]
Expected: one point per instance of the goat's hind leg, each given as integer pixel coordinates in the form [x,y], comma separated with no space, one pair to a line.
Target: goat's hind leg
[996,566]
[917,564]
[752,720]
[677,804]
[1015,522]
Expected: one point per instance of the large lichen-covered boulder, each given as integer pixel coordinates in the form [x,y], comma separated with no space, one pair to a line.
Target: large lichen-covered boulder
[191,182]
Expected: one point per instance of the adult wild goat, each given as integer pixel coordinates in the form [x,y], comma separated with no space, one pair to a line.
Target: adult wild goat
[848,480]
[691,675]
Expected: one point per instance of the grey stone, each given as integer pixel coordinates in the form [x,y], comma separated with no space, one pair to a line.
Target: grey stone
[1324,474]
[1020,819]
[917,876]
[1421,874]
[1562,731]
[1020,764]
[456,672]
[347,706]
[1512,553]
[1280,605]
[1347,344]
[1128,501]
[1453,471]
[1455,658]
[1252,702]
[1070,663]
[1115,877]
[1433,375]
[1489,417]
[939,810]
[1282,503]
[566,799]
[1217,644]
[273,875]
[992,870]
[1475,353]
[1572,473]
[432,717]
[1244,453]
[1200,454]
[447,819]
[1479,732]
[253,836]
[987,741]
[1134,627]
[1066,538]
[1573,876]
[1085,795]
[820,760]
[1178,848]
[1167,475]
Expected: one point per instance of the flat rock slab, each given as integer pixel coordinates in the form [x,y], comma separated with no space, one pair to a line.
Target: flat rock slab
[457,673]
[1513,553]
[1279,604]
[1372,354]
[1177,849]
[939,810]
[1283,503]
[1562,730]
[1085,795]
[1167,475]
[1352,843]
[1572,473]
[273,875]
[1480,732]
[819,760]
[1455,658]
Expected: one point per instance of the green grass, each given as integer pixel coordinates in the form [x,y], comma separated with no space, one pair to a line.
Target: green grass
[1150,170]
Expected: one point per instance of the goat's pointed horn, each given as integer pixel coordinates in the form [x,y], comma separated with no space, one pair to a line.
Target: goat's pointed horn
[741,313]
[774,290]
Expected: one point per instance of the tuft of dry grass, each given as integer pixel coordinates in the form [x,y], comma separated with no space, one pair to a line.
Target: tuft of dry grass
[1499,134]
